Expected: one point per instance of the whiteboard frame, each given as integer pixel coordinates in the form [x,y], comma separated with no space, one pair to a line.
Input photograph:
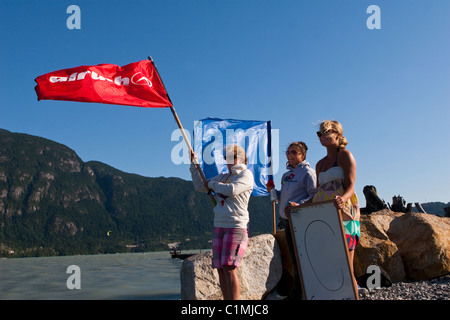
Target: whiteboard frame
[341,284]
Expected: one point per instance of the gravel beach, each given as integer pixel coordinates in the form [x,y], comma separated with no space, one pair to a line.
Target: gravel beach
[435,289]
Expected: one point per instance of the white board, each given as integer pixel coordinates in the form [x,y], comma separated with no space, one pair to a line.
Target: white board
[321,251]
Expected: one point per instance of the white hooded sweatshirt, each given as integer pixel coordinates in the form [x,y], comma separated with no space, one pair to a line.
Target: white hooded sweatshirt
[232,193]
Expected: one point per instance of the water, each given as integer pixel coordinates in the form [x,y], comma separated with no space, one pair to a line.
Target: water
[143,276]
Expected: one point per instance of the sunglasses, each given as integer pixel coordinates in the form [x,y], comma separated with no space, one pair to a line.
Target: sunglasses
[326,133]
[231,156]
[293,152]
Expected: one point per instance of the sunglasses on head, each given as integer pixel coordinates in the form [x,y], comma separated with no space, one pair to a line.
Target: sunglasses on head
[326,132]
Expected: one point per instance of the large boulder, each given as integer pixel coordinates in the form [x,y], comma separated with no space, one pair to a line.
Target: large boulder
[199,281]
[375,247]
[258,273]
[423,241]
[413,246]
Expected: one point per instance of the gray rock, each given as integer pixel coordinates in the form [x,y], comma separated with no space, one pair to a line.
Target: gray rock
[259,272]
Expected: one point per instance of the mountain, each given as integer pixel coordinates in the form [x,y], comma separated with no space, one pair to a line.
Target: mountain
[436,208]
[53,203]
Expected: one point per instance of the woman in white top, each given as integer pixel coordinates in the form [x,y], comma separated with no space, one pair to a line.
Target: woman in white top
[336,174]
[230,237]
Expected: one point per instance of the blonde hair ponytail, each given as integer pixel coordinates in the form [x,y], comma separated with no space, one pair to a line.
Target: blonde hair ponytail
[336,127]
[342,142]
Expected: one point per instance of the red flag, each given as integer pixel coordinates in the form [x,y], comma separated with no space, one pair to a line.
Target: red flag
[136,84]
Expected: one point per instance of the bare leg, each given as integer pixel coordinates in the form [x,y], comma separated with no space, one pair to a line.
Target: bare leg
[351,255]
[229,282]
[223,283]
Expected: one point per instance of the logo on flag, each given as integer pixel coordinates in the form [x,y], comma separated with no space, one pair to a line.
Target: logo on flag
[136,84]
[140,80]
[211,135]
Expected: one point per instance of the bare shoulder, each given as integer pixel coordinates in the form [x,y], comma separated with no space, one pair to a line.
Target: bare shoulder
[345,156]
[345,153]
[319,163]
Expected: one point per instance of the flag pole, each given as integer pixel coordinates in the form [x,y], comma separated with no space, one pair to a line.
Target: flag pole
[274,218]
[196,164]
[274,212]
[191,151]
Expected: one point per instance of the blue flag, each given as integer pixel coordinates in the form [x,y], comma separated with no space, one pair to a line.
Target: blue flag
[211,135]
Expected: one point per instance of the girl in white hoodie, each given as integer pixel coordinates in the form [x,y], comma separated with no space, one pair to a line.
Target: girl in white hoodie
[230,238]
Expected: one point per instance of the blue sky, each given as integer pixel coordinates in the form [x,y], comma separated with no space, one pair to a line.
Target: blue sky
[294,63]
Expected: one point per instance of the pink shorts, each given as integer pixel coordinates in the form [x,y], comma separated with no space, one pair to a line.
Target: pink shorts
[228,246]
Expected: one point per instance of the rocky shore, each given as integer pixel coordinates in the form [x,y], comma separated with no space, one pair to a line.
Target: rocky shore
[412,251]
[435,289]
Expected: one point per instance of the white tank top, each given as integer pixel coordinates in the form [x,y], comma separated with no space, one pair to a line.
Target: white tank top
[334,173]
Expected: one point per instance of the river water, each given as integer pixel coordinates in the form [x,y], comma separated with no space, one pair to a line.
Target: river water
[143,276]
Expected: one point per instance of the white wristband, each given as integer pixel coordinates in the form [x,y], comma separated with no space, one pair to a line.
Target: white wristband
[273,195]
